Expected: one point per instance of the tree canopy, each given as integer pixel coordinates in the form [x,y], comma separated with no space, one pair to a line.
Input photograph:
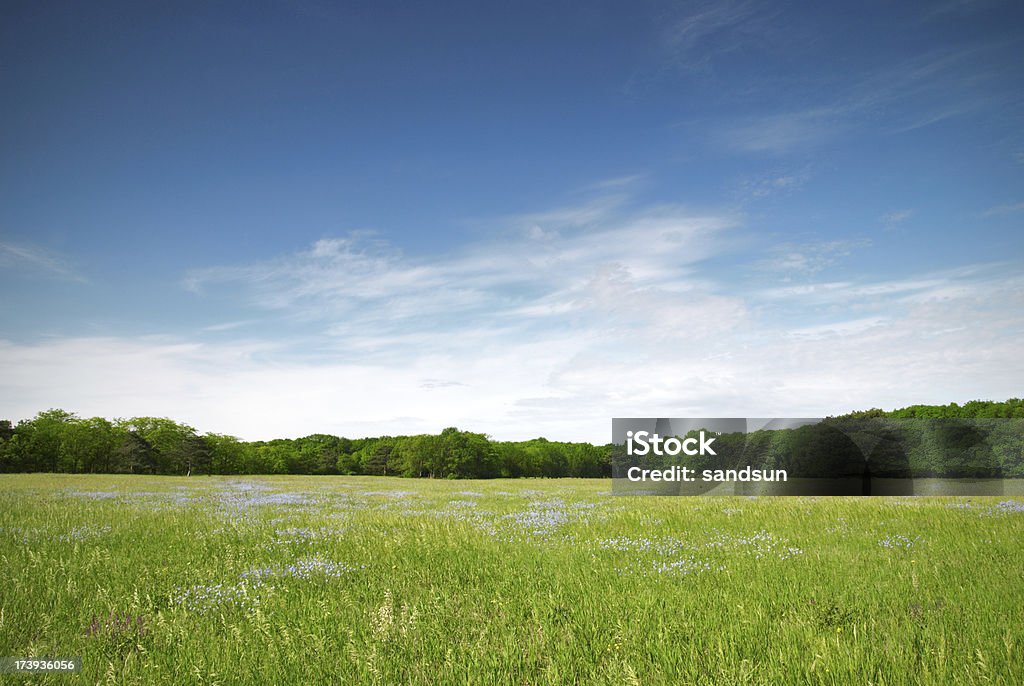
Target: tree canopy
[60,441]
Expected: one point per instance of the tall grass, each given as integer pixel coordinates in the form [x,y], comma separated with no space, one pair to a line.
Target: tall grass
[363,580]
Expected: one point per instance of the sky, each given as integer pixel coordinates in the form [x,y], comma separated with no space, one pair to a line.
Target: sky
[272,219]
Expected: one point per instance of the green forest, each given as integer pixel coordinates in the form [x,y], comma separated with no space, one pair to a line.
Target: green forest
[61,441]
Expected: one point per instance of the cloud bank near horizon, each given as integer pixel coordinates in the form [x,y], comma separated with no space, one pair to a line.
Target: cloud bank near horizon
[552,325]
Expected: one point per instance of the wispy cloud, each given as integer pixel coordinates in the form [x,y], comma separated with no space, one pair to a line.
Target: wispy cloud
[551,264]
[784,132]
[960,8]
[809,257]
[439,383]
[891,219]
[617,183]
[228,326]
[704,30]
[920,91]
[1002,210]
[34,258]
[847,327]
[776,182]
[969,282]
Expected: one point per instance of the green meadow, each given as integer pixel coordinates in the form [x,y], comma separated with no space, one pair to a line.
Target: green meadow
[315,580]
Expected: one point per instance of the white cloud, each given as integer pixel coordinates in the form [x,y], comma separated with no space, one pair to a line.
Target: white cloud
[552,264]
[563,384]
[891,219]
[783,132]
[550,334]
[617,183]
[705,30]
[809,257]
[1002,210]
[36,258]
[975,281]
[840,328]
[227,326]
[926,89]
[773,183]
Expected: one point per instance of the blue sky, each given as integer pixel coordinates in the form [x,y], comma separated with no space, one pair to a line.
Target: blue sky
[273,219]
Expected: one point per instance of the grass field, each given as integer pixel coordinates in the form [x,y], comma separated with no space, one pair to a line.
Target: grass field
[311,580]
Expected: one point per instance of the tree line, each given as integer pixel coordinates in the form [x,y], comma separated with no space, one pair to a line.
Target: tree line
[980,439]
[61,441]
[975,409]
